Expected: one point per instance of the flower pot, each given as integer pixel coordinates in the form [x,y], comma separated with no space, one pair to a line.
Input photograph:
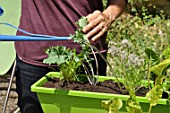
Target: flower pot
[69,101]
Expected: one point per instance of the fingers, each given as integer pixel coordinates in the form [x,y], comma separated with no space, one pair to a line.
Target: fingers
[93,15]
[98,24]
[93,20]
[99,33]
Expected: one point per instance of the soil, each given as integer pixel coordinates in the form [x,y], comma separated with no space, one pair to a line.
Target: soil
[107,86]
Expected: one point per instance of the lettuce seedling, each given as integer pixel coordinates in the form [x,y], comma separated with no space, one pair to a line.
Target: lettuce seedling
[67,60]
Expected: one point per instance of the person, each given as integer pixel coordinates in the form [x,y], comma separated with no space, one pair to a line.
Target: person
[57,18]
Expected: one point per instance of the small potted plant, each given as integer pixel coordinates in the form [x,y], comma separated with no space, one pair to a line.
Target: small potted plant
[55,100]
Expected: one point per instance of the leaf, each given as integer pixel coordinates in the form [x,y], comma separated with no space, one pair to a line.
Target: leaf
[82,22]
[133,106]
[112,106]
[166,53]
[158,69]
[50,60]
[152,55]
[167,77]
[154,95]
[77,59]
[56,50]
[57,55]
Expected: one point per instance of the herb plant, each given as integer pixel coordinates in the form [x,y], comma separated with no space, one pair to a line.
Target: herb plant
[67,60]
[131,71]
[87,49]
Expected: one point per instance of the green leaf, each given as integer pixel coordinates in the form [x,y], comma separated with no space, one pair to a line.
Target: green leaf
[54,60]
[82,22]
[57,50]
[158,69]
[166,53]
[50,60]
[77,59]
[133,106]
[167,77]
[57,55]
[154,95]
[152,55]
[112,106]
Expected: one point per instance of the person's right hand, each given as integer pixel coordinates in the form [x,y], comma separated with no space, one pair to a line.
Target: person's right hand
[98,24]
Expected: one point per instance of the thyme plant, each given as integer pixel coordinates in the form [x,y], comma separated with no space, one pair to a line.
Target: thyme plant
[131,71]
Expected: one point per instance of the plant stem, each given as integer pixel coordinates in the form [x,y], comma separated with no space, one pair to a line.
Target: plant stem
[91,67]
[97,72]
[94,80]
[97,66]
[108,64]
[150,108]
[87,73]
[149,75]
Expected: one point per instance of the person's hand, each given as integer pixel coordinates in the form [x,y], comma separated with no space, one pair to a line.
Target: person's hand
[98,24]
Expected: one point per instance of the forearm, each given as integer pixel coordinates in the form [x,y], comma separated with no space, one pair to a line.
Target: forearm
[115,8]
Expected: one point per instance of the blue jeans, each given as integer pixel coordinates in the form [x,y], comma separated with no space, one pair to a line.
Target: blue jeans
[26,75]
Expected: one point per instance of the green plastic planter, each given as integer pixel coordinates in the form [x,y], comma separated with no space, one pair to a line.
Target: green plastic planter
[68,101]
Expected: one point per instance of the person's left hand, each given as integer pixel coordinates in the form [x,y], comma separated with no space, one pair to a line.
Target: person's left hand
[98,24]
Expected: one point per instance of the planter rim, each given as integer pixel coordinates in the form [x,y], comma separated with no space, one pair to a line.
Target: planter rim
[37,87]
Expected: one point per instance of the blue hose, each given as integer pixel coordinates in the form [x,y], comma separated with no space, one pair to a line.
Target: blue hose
[31,37]
[1,11]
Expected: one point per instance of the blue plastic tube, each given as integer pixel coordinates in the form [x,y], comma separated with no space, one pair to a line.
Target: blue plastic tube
[1,11]
[31,38]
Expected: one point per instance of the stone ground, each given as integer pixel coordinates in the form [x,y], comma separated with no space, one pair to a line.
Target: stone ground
[12,101]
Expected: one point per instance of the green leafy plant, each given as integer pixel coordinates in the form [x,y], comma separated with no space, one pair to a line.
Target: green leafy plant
[67,60]
[159,70]
[87,49]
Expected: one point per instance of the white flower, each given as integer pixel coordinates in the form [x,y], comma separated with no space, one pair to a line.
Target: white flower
[123,55]
[135,60]
[168,24]
[124,42]
[160,32]
[113,50]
